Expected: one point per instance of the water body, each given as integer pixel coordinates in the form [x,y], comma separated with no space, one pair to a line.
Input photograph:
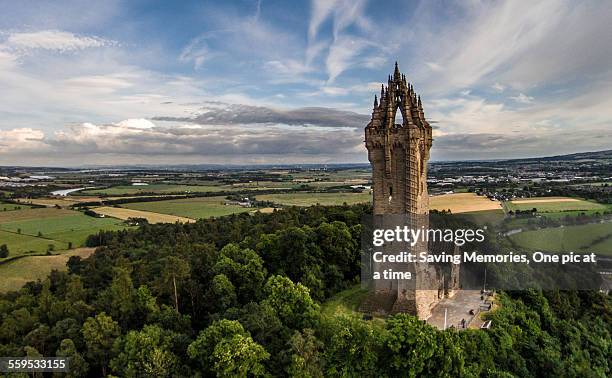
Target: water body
[65,192]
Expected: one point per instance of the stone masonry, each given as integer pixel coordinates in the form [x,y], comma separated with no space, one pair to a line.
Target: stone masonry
[398,153]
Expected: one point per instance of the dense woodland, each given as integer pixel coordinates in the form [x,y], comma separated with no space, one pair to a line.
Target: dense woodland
[241,295]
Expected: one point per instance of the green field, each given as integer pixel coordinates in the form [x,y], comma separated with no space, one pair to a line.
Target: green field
[17,272]
[551,207]
[23,244]
[308,199]
[11,206]
[482,217]
[195,208]
[152,188]
[568,238]
[36,229]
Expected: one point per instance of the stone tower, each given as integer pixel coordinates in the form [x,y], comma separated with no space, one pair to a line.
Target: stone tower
[399,153]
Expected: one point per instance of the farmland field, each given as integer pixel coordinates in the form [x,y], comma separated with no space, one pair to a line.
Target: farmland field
[63,201]
[308,199]
[579,238]
[554,204]
[484,216]
[462,203]
[36,229]
[151,217]
[457,203]
[23,244]
[11,206]
[153,188]
[31,268]
[28,214]
[194,208]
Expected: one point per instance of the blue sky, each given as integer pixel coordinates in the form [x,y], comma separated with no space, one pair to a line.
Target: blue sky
[120,82]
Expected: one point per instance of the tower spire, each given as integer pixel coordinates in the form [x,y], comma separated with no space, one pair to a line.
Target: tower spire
[396,73]
[375,102]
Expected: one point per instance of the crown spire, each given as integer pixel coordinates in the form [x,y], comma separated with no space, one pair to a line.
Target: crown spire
[396,73]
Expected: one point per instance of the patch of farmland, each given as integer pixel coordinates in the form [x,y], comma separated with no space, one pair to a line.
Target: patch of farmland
[155,188]
[50,226]
[194,208]
[462,203]
[309,199]
[64,201]
[4,206]
[578,238]
[18,272]
[151,217]
[19,244]
[546,205]
[36,213]
[486,216]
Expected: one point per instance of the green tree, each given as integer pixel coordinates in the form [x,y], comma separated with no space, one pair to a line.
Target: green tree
[176,271]
[292,302]
[145,353]
[225,349]
[353,347]
[306,358]
[78,365]
[4,251]
[418,349]
[223,292]
[99,334]
[238,356]
[122,296]
[244,268]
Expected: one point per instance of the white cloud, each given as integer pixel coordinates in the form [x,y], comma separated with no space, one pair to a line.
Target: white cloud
[57,40]
[344,49]
[434,66]
[522,98]
[196,51]
[498,87]
[22,139]
[139,123]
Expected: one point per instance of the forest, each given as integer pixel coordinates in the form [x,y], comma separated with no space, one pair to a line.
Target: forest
[241,295]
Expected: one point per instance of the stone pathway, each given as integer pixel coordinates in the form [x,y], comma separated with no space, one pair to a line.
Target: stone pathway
[458,307]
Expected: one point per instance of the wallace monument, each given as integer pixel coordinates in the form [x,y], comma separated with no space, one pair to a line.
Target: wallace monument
[398,153]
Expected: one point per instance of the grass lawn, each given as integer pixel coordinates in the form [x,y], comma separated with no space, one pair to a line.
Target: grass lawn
[308,199]
[195,208]
[555,204]
[345,302]
[31,268]
[569,238]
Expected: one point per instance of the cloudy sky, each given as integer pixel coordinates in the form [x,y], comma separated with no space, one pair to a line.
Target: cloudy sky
[111,82]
